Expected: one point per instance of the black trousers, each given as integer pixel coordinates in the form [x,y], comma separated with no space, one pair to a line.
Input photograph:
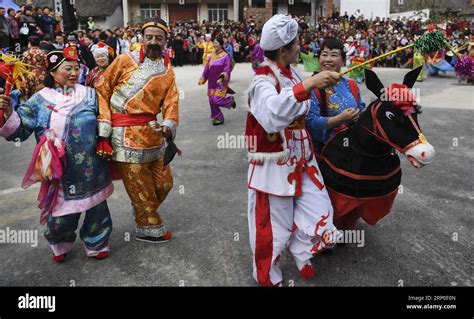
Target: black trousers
[179,58]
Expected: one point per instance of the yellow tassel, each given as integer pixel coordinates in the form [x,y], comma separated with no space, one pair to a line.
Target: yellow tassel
[20,69]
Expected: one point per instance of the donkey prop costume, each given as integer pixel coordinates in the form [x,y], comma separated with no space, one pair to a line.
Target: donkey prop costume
[359,163]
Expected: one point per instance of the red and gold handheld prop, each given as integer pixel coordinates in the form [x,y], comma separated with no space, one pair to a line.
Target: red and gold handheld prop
[13,70]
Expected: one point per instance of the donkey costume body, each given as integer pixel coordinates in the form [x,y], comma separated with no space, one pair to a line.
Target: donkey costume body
[359,164]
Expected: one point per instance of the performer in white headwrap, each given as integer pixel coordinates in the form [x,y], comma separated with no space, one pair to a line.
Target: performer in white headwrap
[103,56]
[288,205]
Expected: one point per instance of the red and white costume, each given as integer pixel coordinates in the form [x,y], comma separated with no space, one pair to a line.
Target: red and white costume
[288,205]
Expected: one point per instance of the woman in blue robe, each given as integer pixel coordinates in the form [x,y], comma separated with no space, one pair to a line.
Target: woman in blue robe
[336,105]
[74,179]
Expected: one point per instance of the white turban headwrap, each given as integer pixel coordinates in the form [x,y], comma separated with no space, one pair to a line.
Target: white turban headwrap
[278,31]
[97,50]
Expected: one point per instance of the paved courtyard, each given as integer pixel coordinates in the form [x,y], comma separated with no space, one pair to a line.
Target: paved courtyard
[427,239]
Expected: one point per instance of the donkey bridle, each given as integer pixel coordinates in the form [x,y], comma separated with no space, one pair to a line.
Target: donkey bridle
[377,128]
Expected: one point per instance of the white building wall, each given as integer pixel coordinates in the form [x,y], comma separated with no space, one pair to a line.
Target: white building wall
[204,13]
[369,8]
[164,12]
[230,12]
[133,9]
[113,21]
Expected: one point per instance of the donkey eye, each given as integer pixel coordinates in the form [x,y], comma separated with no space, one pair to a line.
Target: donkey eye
[389,115]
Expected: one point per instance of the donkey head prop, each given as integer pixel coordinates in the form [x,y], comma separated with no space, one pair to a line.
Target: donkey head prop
[393,118]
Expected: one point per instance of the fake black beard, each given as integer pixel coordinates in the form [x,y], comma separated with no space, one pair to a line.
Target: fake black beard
[155,49]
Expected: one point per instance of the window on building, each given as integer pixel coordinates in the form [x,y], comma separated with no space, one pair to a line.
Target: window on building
[217,11]
[149,10]
[400,2]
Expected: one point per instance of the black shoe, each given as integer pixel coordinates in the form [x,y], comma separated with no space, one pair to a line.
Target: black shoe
[155,240]
[217,122]
[234,105]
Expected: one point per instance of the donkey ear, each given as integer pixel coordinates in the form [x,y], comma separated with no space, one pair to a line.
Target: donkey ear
[410,78]
[373,83]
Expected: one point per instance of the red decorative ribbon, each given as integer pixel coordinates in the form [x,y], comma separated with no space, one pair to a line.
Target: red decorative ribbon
[400,96]
[49,173]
